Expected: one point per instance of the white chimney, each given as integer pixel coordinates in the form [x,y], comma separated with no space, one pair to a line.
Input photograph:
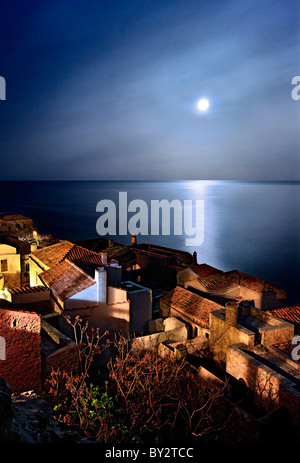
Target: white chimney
[100,278]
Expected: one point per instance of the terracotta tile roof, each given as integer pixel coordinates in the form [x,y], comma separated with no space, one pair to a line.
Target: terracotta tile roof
[101,244]
[204,269]
[52,255]
[4,224]
[218,282]
[13,217]
[28,289]
[286,347]
[290,314]
[260,286]
[193,306]
[22,246]
[66,279]
[224,281]
[82,256]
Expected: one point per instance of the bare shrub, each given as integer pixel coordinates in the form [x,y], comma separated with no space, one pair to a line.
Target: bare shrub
[147,398]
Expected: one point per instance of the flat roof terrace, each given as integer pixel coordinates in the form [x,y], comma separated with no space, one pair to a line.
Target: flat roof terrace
[285,367]
[268,330]
[256,324]
[131,286]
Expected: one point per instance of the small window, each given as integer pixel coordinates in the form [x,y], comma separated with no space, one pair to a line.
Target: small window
[4,265]
[14,323]
[26,267]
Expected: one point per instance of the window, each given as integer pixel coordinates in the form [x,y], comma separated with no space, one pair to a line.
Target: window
[26,267]
[14,323]
[4,265]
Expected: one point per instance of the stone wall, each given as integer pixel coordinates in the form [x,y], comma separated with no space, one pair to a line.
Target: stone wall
[175,331]
[270,389]
[64,359]
[22,333]
[223,334]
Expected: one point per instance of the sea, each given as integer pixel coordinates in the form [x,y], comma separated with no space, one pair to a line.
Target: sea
[253,227]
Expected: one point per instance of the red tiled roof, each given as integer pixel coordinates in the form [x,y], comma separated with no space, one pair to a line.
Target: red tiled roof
[4,224]
[204,269]
[66,279]
[52,255]
[83,256]
[260,286]
[14,217]
[224,281]
[22,246]
[286,347]
[193,306]
[28,289]
[290,314]
[216,282]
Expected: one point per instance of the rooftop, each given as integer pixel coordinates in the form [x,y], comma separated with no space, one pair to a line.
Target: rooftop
[290,314]
[224,281]
[56,253]
[66,279]
[204,269]
[131,286]
[287,369]
[22,246]
[13,217]
[4,224]
[157,249]
[28,289]
[193,306]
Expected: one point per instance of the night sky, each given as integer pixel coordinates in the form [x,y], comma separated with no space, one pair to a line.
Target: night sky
[107,89]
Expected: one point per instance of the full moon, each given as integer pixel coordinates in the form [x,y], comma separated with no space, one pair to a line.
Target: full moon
[203,104]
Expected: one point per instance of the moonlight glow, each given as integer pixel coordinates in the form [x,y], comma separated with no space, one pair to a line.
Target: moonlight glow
[203,104]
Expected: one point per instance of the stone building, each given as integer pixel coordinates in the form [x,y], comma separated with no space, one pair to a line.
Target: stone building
[84,283]
[160,263]
[232,285]
[244,323]
[189,307]
[14,261]
[290,314]
[250,348]
[17,224]
[245,342]
[31,347]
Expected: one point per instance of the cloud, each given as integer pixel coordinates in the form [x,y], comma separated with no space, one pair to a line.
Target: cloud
[118,101]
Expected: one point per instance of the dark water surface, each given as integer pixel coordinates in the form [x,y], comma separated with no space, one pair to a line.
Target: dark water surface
[249,226]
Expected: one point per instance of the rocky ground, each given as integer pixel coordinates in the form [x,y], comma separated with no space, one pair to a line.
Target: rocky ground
[26,418]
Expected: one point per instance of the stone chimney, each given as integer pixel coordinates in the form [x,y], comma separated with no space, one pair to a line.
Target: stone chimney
[245,307]
[231,312]
[133,240]
[103,255]
[195,257]
[33,247]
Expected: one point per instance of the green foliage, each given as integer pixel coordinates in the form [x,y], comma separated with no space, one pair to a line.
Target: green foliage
[146,398]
